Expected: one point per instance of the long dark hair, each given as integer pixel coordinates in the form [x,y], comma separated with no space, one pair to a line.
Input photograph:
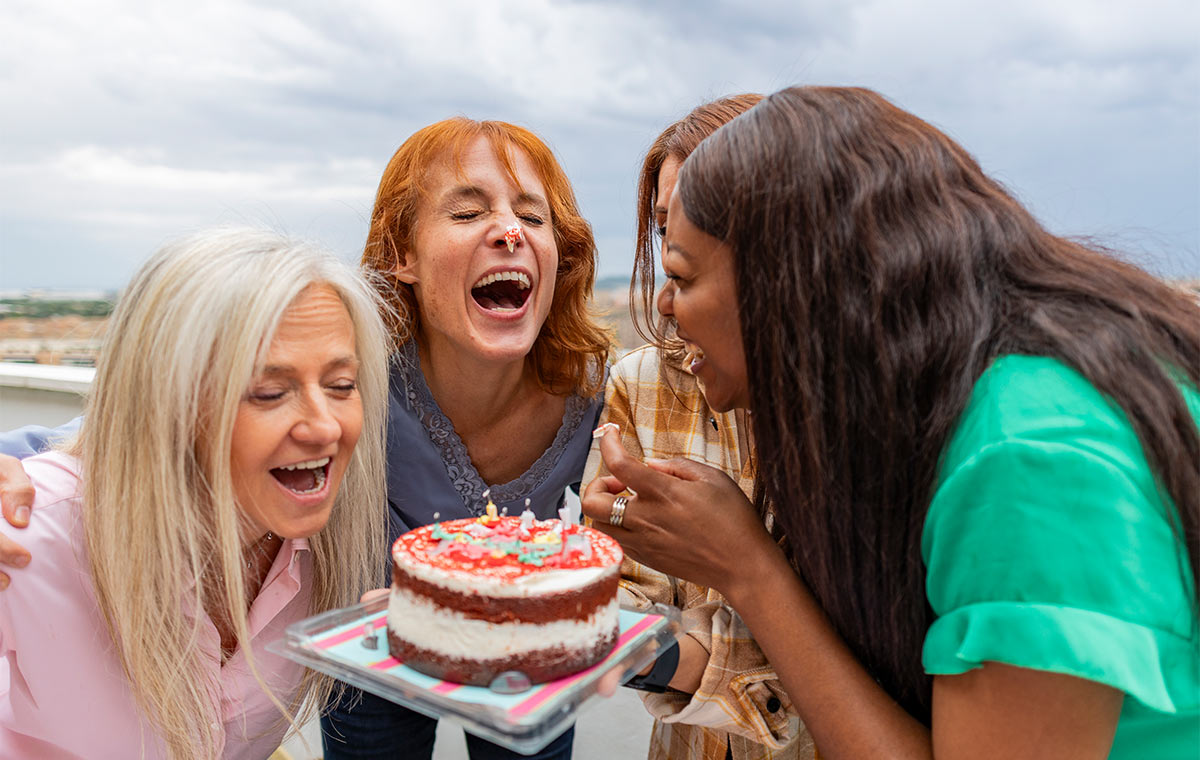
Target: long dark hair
[879,273]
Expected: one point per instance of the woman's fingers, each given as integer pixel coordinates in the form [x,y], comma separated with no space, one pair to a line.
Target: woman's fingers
[684,469]
[597,503]
[605,484]
[656,481]
[632,472]
[16,503]
[13,555]
[16,492]
[373,594]
[608,683]
[681,517]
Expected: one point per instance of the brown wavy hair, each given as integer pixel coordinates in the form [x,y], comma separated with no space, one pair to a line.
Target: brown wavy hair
[676,141]
[879,272]
[571,349]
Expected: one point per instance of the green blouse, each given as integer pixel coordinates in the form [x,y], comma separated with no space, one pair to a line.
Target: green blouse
[1049,545]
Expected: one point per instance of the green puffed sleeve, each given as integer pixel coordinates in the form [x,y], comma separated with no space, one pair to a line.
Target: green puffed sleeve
[1048,544]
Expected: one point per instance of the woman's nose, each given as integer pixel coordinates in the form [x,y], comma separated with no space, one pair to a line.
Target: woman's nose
[511,236]
[318,425]
[666,300]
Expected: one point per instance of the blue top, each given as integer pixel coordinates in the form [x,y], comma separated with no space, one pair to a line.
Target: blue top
[428,469]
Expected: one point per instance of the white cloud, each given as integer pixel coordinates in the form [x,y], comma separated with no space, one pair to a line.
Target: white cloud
[126,121]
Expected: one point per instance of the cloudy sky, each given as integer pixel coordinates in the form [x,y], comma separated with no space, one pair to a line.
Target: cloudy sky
[126,123]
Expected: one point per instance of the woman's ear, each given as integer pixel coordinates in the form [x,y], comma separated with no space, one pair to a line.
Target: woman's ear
[405,269]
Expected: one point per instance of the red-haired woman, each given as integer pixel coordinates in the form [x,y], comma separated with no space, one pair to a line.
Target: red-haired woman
[477,241]
[478,238]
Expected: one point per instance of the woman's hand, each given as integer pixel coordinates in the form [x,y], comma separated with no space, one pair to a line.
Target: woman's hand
[16,502]
[373,595]
[687,519]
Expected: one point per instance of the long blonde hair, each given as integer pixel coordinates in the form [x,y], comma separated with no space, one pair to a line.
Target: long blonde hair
[163,530]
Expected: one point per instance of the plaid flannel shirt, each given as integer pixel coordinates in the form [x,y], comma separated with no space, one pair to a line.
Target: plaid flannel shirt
[740,704]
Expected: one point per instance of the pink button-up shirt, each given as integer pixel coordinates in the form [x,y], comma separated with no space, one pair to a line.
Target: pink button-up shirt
[62,691]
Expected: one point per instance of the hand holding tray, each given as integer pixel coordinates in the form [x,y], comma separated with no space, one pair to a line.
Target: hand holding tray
[350,644]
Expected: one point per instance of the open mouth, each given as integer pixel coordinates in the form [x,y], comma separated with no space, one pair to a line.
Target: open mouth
[303,477]
[502,291]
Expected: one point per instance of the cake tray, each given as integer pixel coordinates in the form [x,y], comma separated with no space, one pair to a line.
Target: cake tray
[350,644]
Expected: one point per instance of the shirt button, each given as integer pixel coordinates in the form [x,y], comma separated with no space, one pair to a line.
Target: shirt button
[773,704]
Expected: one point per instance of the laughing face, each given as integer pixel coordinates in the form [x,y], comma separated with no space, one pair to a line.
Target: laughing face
[702,297]
[483,289]
[299,421]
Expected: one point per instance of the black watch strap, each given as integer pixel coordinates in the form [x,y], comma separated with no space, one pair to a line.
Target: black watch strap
[660,675]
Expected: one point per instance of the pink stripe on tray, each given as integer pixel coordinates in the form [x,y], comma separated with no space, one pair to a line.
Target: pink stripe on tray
[552,688]
[354,632]
[443,687]
[390,662]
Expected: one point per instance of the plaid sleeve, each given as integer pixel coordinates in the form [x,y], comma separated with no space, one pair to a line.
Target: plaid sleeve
[739,692]
[663,414]
[640,586]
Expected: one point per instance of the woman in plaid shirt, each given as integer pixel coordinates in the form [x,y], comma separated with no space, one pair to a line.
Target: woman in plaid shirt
[724,699]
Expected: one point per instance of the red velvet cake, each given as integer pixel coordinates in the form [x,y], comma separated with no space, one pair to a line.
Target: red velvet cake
[477,597]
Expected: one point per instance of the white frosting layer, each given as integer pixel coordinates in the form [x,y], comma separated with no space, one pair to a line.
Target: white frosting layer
[535,584]
[418,621]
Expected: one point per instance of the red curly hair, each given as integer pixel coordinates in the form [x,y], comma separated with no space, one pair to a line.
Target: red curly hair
[571,349]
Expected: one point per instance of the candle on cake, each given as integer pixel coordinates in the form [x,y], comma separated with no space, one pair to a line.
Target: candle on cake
[491,516]
[527,518]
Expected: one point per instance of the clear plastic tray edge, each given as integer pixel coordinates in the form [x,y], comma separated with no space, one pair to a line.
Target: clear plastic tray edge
[523,735]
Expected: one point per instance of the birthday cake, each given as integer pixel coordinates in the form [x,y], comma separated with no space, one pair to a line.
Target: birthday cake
[477,597]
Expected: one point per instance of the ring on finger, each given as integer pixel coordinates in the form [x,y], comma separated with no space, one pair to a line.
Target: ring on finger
[617,515]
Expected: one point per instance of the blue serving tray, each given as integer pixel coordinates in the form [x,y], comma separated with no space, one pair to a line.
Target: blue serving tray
[350,644]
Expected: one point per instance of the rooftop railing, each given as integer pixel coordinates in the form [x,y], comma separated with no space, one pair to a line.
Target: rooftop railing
[41,394]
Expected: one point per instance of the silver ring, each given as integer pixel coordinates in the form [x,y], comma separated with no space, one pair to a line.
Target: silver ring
[617,515]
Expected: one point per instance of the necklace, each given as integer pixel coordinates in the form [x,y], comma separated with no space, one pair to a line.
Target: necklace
[256,551]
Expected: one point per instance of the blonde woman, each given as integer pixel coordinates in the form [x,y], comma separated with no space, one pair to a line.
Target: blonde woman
[463,208]
[228,481]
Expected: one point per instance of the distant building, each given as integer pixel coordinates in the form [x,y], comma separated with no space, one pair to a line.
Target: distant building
[52,294]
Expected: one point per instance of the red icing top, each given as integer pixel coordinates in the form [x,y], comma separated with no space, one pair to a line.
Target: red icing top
[500,548]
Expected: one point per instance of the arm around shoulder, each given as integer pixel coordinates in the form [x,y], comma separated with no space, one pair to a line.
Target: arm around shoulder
[34,439]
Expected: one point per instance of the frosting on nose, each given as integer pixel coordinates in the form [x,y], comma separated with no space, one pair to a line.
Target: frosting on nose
[513,235]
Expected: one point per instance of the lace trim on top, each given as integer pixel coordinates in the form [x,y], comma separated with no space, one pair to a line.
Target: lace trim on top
[463,475]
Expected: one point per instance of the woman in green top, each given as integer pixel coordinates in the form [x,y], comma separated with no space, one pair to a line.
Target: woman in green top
[978,442]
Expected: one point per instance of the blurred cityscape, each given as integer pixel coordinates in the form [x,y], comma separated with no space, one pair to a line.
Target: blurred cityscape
[53,326]
[67,327]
